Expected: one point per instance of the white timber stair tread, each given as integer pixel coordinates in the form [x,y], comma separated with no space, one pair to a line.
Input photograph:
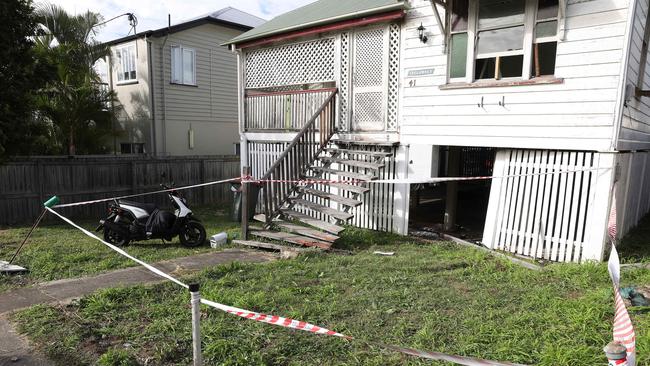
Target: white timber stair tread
[342,173]
[359,152]
[291,238]
[355,163]
[350,187]
[340,215]
[262,218]
[306,219]
[350,202]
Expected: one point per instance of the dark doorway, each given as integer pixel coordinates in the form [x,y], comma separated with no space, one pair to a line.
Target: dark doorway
[430,203]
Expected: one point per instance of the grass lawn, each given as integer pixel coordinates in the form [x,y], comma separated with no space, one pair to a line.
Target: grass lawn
[58,251]
[437,297]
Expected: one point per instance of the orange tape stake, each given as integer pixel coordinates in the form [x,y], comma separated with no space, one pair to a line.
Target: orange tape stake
[623,328]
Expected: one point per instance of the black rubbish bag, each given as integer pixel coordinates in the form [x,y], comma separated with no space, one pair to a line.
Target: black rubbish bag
[253,193]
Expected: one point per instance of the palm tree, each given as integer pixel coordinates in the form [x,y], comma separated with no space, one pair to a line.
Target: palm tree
[72,100]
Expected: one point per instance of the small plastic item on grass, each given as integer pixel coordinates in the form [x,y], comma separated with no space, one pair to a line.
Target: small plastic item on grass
[388,254]
[5,267]
[218,240]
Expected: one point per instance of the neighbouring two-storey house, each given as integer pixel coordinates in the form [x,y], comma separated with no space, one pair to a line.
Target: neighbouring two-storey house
[549,97]
[176,86]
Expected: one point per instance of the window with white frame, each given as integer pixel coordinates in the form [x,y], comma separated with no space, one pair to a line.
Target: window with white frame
[126,63]
[502,39]
[183,65]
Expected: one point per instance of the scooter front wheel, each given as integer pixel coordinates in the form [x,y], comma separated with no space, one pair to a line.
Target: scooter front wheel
[192,234]
[115,238]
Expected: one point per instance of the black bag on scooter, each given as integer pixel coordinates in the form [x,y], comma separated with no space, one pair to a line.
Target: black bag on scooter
[160,223]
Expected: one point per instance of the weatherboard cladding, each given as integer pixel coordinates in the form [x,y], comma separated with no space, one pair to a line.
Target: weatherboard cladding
[319,13]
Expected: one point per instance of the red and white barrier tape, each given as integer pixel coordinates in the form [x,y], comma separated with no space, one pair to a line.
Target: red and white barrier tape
[288,322]
[305,182]
[486,177]
[623,329]
[149,193]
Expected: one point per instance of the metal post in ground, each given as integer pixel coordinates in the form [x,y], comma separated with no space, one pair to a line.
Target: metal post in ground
[196,324]
[616,354]
[244,203]
[53,201]
[451,201]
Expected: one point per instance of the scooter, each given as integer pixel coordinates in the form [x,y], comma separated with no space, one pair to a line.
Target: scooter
[129,221]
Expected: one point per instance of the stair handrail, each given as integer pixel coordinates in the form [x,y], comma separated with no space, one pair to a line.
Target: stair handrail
[297,157]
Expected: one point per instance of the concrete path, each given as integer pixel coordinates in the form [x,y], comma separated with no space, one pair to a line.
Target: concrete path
[14,347]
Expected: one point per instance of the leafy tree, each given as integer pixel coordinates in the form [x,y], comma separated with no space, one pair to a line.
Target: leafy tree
[20,75]
[72,101]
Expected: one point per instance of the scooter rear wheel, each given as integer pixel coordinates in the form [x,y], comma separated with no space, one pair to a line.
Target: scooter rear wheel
[115,238]
[192,234]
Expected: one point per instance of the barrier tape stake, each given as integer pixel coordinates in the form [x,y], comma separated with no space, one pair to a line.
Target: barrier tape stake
[196,323]
[47,204]
[616,354]
[244,203]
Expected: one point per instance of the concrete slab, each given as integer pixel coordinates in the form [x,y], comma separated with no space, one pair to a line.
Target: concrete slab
[15,350]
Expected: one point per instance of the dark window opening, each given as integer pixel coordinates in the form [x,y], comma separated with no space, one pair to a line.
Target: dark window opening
[459,15]
[132,148]
[499,67]
[544,55]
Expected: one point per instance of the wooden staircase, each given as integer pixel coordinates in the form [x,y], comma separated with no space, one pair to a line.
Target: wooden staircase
[313,215]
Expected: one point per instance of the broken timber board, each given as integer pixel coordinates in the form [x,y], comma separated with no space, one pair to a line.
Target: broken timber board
[291,238]
[259,244]
[298,229]
[305,231]
[306,219]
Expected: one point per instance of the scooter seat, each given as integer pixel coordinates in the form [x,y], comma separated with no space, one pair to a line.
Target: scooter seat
[148,207]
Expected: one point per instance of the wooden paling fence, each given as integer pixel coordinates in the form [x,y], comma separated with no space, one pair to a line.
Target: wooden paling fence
[28,182]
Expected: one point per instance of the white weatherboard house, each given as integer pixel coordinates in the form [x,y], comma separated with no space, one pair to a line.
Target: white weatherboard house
[418,89]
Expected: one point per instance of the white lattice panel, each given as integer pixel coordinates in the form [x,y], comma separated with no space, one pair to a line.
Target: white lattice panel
[344,85]
[369,80]
[369,60]
[297,63]
[367,112]
[393,77]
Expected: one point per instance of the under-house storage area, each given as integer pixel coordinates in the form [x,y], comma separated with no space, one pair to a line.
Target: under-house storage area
[458,208]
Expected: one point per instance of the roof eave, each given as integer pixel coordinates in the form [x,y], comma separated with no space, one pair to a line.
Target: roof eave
[397,6]
[178,28]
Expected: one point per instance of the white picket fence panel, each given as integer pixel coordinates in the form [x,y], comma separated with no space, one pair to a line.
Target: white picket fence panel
[541,211]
